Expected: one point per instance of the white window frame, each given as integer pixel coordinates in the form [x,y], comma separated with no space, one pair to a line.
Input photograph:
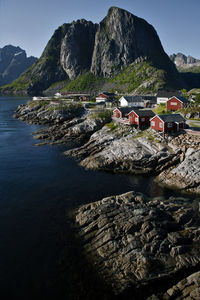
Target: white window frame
[160,125]
[152,123]
[136,119]
[173,103]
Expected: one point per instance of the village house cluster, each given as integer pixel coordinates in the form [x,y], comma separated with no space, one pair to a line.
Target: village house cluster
[135,110]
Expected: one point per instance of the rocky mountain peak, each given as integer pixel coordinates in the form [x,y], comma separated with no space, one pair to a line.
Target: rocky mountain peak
[13,61]
[122,38]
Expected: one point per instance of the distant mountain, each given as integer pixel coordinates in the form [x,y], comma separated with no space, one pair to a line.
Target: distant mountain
[13,62]
[185,63]
[122,52]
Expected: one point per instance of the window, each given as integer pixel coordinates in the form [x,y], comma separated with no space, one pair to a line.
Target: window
[136,119]
[169,125]
[152,123]
[161,125]
[143,119]
[173,103]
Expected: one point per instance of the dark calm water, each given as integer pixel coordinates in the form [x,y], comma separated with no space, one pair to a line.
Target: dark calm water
[39,256]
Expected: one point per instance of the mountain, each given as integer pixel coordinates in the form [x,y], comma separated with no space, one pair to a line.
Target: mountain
[185,63]
[13,62]
[122,52]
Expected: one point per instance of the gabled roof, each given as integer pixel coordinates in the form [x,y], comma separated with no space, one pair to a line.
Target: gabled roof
[182,99]
[143,112]
[151,99]
[171,118]
[125,110]
[130,99]
[167,94]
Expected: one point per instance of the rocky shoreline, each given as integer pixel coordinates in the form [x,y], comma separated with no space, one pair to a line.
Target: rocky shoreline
[141,247]
[100,145]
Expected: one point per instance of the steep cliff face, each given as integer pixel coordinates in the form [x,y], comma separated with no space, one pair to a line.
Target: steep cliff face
[77,48]
[121,39]
[13,62]
[104,50]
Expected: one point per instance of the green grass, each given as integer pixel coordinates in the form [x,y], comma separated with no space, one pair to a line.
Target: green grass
[101,115]
[161,110]
[112,126]
[133,76]
[139,134]
[67,106]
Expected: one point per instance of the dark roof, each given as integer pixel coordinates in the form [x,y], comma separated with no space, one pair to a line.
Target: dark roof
[133,99]
[144,112]
[108,94]
[182,99]
[125,110]
[168,94]
[151,99]
[172,118]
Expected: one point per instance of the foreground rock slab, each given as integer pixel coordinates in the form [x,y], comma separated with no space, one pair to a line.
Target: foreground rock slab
[133,241]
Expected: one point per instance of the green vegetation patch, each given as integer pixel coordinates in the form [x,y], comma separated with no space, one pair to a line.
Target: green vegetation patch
[134,75]
[106,114]
[112,126]
[84,82]
[162,110]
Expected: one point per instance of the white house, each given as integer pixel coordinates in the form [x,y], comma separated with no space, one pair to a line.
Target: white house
[131,101]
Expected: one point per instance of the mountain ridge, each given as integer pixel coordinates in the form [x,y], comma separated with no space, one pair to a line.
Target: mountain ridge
[104,50]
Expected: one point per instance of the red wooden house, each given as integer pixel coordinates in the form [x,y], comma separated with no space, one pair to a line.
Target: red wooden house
[176,103]
[122,112]
[167,123]
[105,96]
[140,117]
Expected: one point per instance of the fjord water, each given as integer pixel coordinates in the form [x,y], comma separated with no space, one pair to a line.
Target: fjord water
[39,255]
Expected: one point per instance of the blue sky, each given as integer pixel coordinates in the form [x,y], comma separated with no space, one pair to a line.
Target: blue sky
[30,23]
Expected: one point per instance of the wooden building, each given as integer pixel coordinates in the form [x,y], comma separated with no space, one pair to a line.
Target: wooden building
[176,103]
[167,123]
[140,117]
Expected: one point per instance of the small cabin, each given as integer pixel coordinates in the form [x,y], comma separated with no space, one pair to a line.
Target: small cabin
[140,117]
[105,96]
[121,112]
[176,103]
[168,123]
[131,101]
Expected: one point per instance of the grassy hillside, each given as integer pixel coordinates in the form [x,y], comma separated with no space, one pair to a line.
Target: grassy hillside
[141,78]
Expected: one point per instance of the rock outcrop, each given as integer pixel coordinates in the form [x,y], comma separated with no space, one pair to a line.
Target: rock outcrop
[110,152]
[136,242]
[186,175]
[13,62]
[188,288]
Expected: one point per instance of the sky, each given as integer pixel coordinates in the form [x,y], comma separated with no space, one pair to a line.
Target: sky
[31,23]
